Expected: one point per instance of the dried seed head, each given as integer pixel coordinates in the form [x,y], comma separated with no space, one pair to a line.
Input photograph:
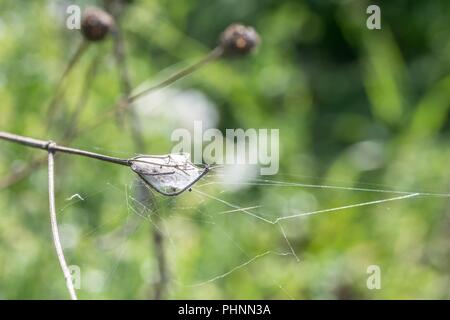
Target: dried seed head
[238,39]
[96,24]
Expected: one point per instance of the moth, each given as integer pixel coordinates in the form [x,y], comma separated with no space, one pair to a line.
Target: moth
[170,174]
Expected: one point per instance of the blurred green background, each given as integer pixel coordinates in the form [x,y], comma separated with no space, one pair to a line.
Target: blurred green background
[355,107]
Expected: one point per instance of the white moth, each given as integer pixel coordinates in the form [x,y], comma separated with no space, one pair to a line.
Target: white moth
[169,174]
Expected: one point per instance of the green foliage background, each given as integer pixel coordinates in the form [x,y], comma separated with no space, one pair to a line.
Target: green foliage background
[355,108]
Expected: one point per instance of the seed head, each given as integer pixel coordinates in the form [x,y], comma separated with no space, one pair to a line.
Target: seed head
[238,39]
[96,24]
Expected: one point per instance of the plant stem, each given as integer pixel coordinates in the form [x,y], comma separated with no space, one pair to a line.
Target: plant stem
[54,224]
[212,55]
[125,103]
[51,108]
[83,98]
[50,146]
[161,284]
[22,172]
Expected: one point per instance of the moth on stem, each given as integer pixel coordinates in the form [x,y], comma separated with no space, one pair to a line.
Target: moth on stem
[170,174]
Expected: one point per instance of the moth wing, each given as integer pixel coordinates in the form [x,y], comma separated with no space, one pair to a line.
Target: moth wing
[170,175]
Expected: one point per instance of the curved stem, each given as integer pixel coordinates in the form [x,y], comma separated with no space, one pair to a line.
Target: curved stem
[54,224]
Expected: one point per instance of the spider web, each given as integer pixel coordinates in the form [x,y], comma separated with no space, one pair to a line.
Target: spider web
[214,228]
